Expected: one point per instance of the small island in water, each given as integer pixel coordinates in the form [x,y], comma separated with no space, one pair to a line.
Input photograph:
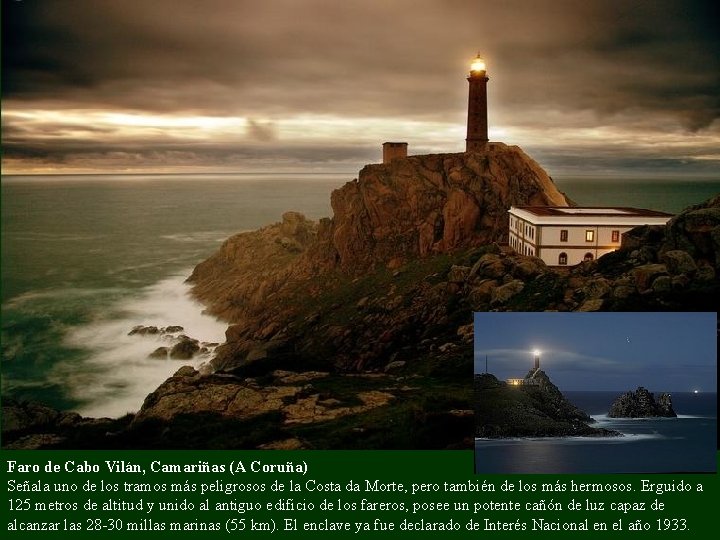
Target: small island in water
[641,404]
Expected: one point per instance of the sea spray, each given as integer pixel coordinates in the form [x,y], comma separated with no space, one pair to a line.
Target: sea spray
[117,374]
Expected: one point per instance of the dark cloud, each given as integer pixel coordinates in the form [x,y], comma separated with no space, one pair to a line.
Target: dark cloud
[87,153]
[628,64]
[261,131]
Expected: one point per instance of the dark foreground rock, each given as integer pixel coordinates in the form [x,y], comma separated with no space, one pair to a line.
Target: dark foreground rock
[641,404]
[30,426]
[528,411]
[282,409]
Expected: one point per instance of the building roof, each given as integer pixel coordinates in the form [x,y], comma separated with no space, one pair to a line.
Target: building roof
[582,211]
[590,215]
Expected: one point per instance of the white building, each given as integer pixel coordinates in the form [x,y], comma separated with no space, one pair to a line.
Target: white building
[565,236]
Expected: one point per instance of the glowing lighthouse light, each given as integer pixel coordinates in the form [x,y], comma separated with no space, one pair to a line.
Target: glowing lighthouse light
[536,354]
[478,64]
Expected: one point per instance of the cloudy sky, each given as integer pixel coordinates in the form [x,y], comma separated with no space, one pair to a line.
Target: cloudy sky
[674,352]
[589,87]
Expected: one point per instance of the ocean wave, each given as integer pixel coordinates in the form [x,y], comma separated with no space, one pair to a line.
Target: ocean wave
[205,236]
[22,300]
[605,419]
[623,438]
[33,236]
[117,375]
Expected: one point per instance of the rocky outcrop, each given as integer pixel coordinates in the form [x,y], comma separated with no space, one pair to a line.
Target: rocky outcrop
[433,204]
[641,404]
[141,330]
[30,426]
[252,267]
[411,209]
[538,410]
[290,394]
[184,349]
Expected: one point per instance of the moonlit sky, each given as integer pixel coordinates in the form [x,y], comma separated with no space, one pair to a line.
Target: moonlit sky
[593,87]
[674,352]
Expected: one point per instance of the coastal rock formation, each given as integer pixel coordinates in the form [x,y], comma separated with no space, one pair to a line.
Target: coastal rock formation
[538,410]
[410,209]
[290,394]
[642,404]
[431,204]
[30,426]
[185,348]
[250,268]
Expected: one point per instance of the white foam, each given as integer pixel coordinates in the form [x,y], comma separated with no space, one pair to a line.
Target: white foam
[118,375]
[622,438]
[604,418]
[203,236]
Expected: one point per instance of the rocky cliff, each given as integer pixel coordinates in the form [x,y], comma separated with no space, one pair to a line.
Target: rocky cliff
[528,411]
[250,267]
[432,204]
[641,404]
[411,209]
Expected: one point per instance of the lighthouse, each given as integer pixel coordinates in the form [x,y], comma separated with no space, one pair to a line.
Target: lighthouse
[477,124]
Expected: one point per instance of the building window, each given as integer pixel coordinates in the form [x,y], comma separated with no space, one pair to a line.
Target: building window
[616,236]
[589,236]
[588,257]
[562,259]
[563,235]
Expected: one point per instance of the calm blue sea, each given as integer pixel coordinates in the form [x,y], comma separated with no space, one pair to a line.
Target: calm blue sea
[86,258]
[650,445]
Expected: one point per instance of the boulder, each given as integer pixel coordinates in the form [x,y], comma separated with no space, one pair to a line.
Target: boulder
[141,330]
[160,352]
[696,231]
[678,262]
[394,365]
[596,288]
[466,332]
[458,274]
[528,267]
[488,266]
[501,295]
[662,284]
[481,293]
[646,274]
[173,329]
[185,349]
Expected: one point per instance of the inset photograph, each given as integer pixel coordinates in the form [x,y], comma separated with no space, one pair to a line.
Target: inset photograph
[595,392]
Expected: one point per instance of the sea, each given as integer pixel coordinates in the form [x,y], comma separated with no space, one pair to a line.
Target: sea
[686,444]
[85,258]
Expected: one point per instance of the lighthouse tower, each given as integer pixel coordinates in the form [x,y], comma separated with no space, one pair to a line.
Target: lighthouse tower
[536,354]
[477,124]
